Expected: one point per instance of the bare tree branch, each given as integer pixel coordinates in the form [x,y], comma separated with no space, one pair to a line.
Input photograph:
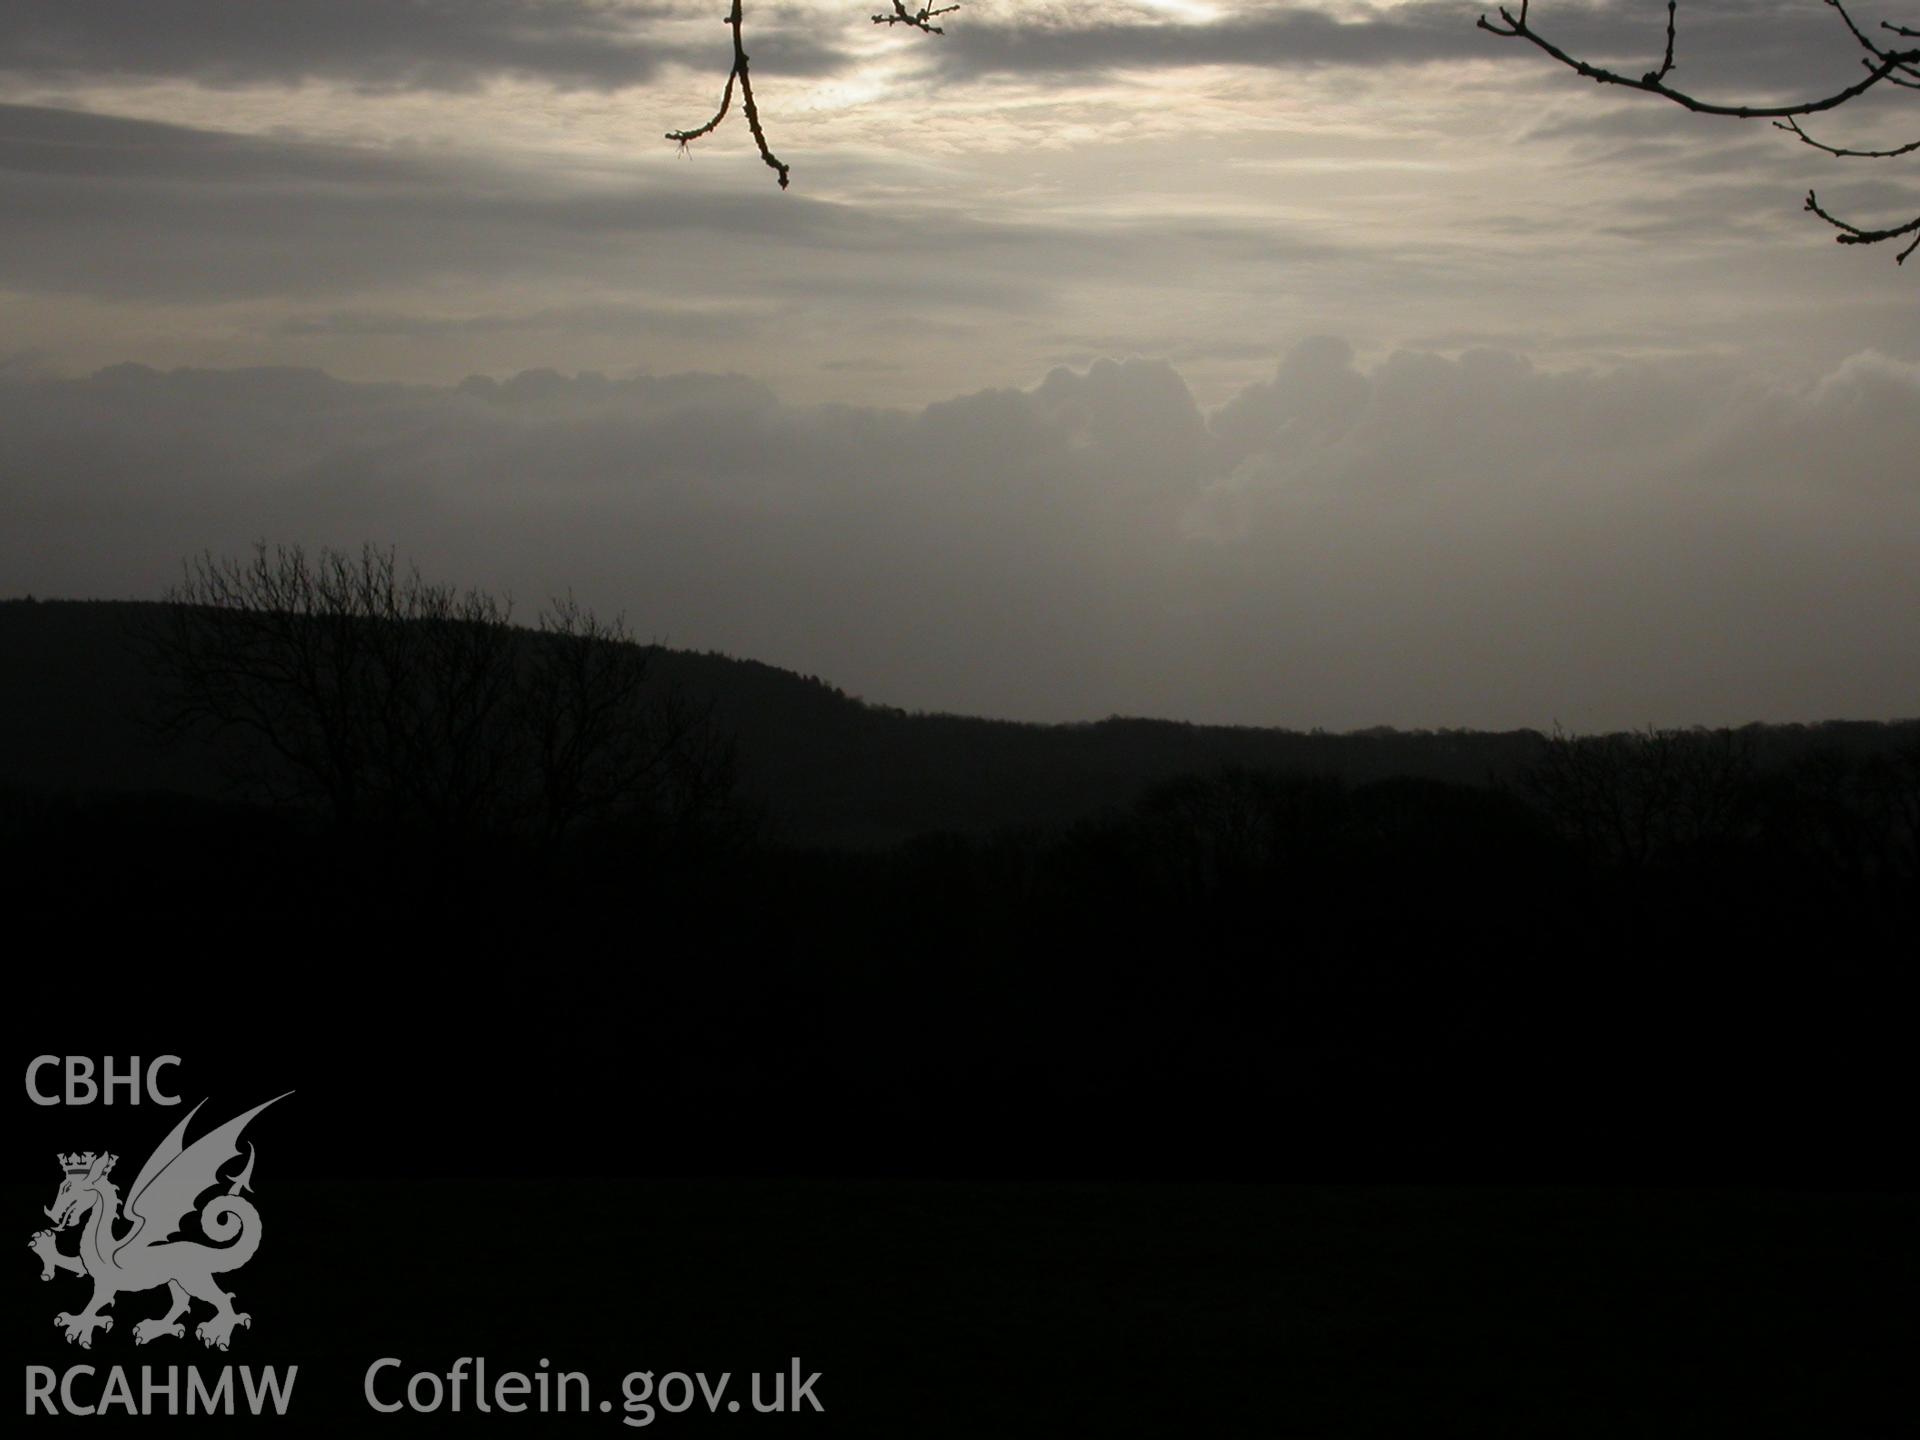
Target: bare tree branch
[921,19]
[1654,81]
[1854,235]
[1885,65]
[739,74]
[1793,127]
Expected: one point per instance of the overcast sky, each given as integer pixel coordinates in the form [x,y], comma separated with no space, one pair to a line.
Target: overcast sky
[1266,363]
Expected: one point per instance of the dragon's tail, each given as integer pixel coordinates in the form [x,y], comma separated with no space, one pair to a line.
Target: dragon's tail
[222,1218]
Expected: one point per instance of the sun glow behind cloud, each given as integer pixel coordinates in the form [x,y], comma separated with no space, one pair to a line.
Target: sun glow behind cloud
[1194,11]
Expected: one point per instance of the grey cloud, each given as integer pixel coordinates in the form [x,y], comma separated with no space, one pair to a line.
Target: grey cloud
[1625,122]
[1728,203]
[1659,139]
[608,318]
[1315,385]
[1427,540]
[44,144]
[1273,36]
[104,206]
[376,44]
[453,45]
[1767,43]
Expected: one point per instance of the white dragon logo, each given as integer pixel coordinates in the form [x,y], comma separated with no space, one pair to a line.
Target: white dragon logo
[148,1254]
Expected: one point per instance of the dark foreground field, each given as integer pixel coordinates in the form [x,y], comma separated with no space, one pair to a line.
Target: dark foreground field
[947,1309]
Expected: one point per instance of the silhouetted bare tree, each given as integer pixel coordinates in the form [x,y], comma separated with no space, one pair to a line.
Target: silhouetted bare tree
[386,699]
[1891,59]
[1630,797]
[605,742]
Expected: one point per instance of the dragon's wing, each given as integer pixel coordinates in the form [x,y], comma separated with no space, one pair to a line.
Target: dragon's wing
[177,1174]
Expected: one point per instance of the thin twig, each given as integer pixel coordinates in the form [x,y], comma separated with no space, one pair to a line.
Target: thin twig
[1793,127]
[1851,234]
[921,19]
